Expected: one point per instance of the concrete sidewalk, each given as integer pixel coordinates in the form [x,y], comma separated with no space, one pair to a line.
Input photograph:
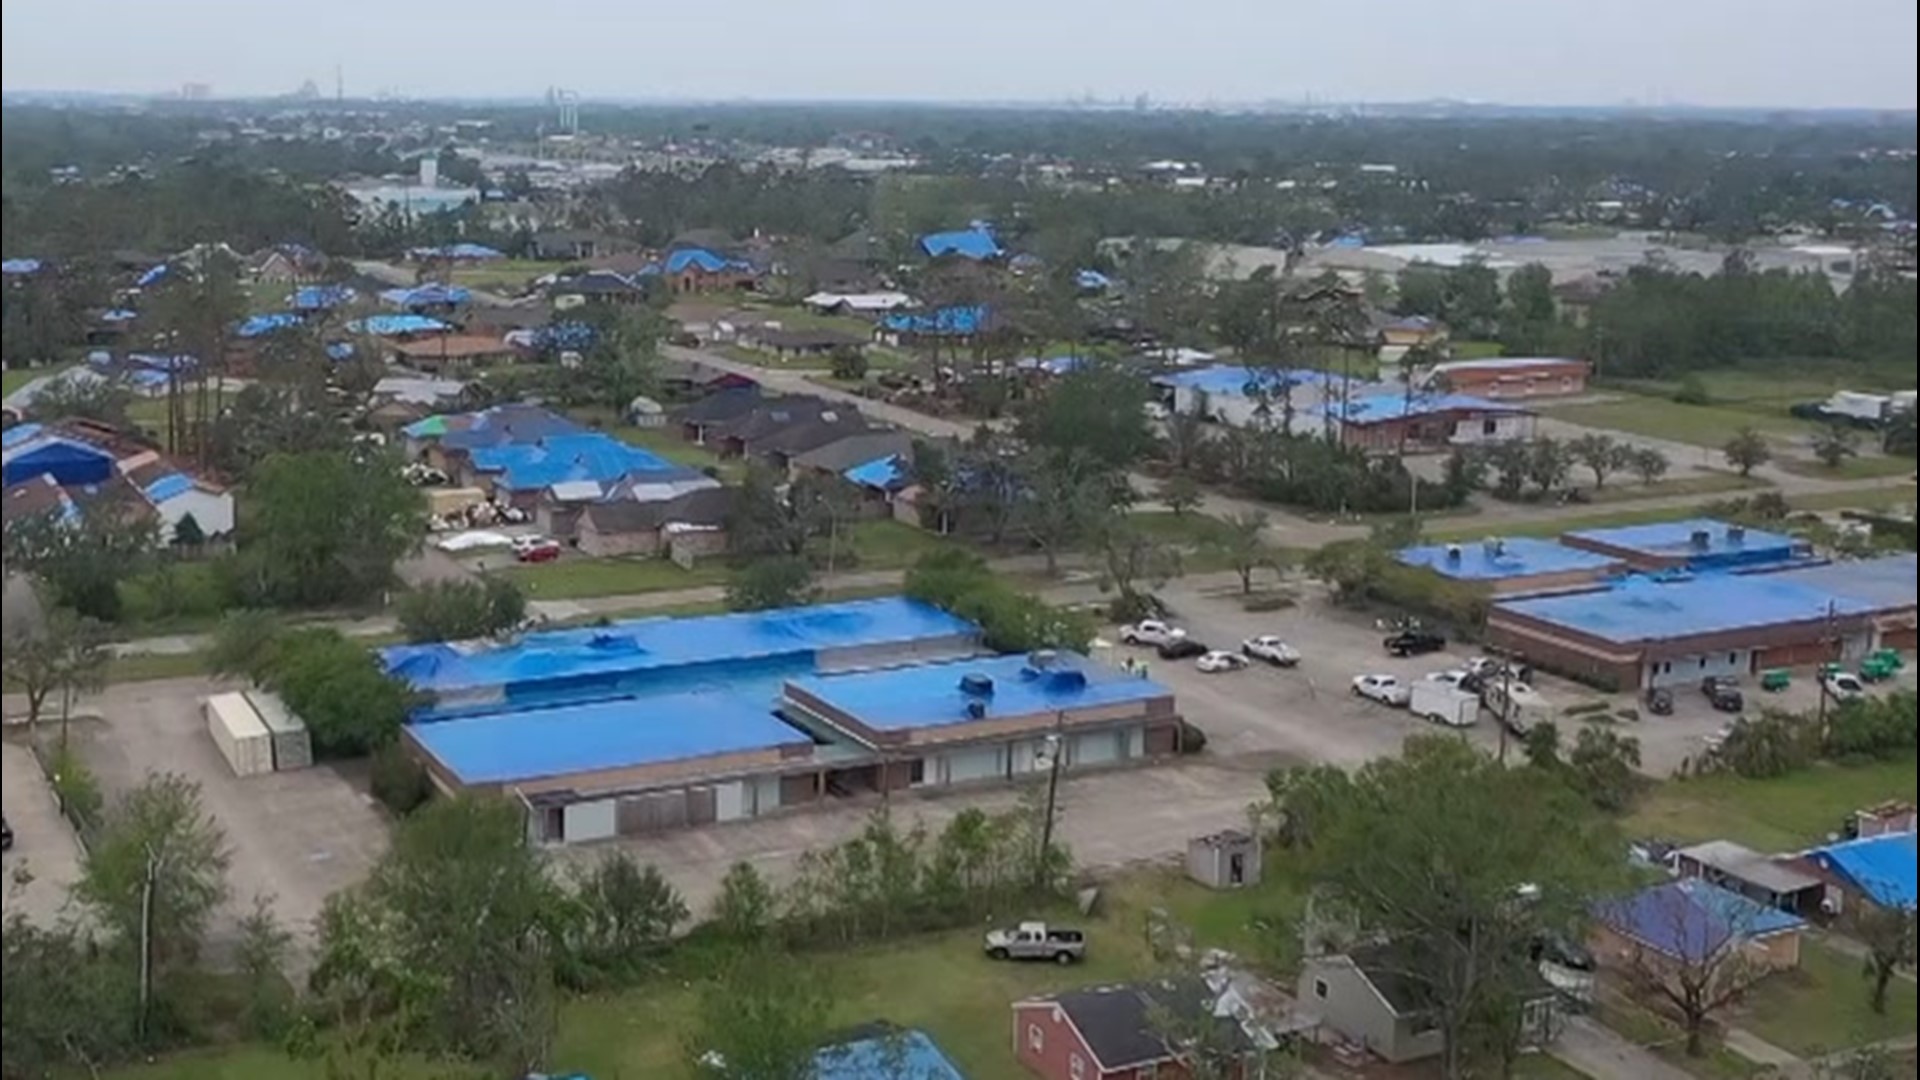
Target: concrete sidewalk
[1605,1054]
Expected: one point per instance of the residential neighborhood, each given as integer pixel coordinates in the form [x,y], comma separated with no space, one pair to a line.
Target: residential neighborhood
[588,589]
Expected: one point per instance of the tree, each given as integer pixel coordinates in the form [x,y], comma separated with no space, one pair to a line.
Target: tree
[1099,409]
[1530,296]
[1130,559]
[187,533]
[1888,933]
[1649,464]
[66,655]
[1477,831]
[849,365]
[1242,544]
[763,1017]
[328,526]
[1180,494]
[1184,433]
[623,914]
[68,1002]
[621,361]
[1602,766]
[262,957]
[350,704]
[83,563]
[1063,499]
[455,934]
[461,610]
[1834,444]
[1511,461]
[1747,451]
[762,521]
[1548,463]
[155,872]
[744,910]
[1599,453]
[1707,972]
[243,642]
[777,582]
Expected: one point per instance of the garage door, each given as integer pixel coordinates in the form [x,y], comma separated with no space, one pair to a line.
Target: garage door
[975,763]
[1098,748]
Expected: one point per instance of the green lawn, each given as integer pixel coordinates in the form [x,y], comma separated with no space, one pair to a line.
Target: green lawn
[1769,815]
[1866,499]
[1475,350]
[1663,418]
[1665,1039]
[504,272]
[1822,1007]
[14,378]
[1545,1067]
[572,577]
[1621,489]
[148,666]
[889,545]
[937,982]
[1864,467]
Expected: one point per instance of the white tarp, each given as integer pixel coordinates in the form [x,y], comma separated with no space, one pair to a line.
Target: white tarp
[473,540]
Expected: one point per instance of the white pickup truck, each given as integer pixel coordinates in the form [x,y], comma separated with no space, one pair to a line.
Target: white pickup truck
[1151,632]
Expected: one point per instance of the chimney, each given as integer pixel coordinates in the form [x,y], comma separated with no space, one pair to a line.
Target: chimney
[1702,539]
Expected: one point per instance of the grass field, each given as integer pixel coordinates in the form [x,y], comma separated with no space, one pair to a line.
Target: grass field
[1866,499]
[1864,467]
[14,378]
[1699,425]
[1769,815]
[1757,396]
[1823,1007]
[503,273]
[1626,490]
[938,982]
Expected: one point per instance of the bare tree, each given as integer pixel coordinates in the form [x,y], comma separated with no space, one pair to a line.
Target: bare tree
[1888,934]
[1702,965]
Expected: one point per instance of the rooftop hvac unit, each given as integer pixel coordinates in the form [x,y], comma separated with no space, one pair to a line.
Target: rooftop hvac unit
[977,709]
[1494,546]
[976,685]
[1702,540]
[1453,552]
[1042,659]
[1736,533]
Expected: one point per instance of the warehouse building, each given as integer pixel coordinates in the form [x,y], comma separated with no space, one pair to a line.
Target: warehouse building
[1508,377]
[691,740]
[1692,544]
[1658,631]
[666,655]
[1514,565]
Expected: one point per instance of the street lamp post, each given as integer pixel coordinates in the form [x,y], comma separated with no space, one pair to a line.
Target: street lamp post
[1056,750]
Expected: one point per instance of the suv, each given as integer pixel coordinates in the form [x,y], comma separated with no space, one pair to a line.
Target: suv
[1414,642]
[1723,693]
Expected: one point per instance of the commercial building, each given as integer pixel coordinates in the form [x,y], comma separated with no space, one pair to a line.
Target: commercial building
[660,723]
[1513,565]
[1381,419]
[1647,631]
[1691,544]
[1505,378]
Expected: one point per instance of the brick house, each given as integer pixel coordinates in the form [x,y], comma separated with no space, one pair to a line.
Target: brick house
[1109,1032]
[1683,925]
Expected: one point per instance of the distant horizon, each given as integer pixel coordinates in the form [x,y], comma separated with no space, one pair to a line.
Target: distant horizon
[1704,54]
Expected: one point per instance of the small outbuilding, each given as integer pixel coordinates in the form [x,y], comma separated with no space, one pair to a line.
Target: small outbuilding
[1229,859]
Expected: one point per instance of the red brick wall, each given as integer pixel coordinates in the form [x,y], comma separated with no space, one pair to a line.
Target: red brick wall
[1058,1042]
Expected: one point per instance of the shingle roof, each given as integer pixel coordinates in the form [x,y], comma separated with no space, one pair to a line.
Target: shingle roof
[858,449]
[1117,1022]
[1692,919]
[709,506]
[720,407]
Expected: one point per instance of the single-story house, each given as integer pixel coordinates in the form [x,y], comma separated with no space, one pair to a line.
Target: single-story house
[575,245]
[70,465]
[1366,997]
[453,351]
[1503,378]
[836,457]
[1689,923]
[695,522]
[807,433]
[1877,870]
[1388,419]
[976,244]
[687,377]
[1114,1033]
[743,434]
[703,418]
[872,303]
[1759,878]
[1396,337]
[800,341]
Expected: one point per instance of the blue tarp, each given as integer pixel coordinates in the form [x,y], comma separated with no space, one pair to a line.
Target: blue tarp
[21,266]
[702,260]
[1227,380]
[177,362]
[957,321]
[1692,920]
[394,325]
[69,463]
[889,473]
[1380,406]
[974,244]
[929,695]
[1643,609]
[563,458]
[152,277]
[18,434]
[1514,557]
[167,487]
[431,295]
[1725,545]
[319,297]
[456,251]
[120,315]
[908,1054]
[1883,867]
[1092,280]
[254,326]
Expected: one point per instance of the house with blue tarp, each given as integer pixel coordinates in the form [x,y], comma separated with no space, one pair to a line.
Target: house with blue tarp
[259,326]
[1877,870]
[398,325]
[954,321]
[309,298]
[694,269]
[1691,922]
[432,295]
[976,244]
[64,467]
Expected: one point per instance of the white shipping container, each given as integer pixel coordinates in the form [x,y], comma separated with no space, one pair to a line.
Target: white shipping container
[240,734]
[292,748]
[1443,704]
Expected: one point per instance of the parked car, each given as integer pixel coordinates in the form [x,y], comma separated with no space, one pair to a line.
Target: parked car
[1842,686]
[1219,660]
[1723,693]
[1151,632]
[545,551]
[1271,649]
[6,835]
[1414,642]
[522,543]
[1454,677]
[1037,941]
[1181,648]
[1385,689]
[1660,701]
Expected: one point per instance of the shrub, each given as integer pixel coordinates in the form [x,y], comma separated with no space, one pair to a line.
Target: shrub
[461,610]
[350,705]
[1692,391]
[398,781]
[1132,607]
[1193,738]
[76,789]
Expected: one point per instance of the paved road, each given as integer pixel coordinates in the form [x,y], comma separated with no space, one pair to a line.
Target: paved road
[1286,528]
[44,853]
[1604,1054]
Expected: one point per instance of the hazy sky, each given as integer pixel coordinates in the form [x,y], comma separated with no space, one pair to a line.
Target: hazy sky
[1707,52]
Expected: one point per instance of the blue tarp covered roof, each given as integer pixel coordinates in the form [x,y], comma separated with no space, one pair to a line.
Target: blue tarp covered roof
[966,243]
[21,266]
[1381,406]
[152,276]
[957,321]
[119,315]
[492,426]
[900,1056]
[1092,280]
[890,473]
[1693,919]
[1512,557]
[167,487]
[254,326]
[1645,609]
[702,260]
[319,297]
[931,695]
[562,458]
[457,251]
[393,325]
[176,362]
[69,462]
[1883,867]
[1227,380]
[18,434]
[430,295]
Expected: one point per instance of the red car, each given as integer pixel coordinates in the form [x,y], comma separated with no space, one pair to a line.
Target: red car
[546,551]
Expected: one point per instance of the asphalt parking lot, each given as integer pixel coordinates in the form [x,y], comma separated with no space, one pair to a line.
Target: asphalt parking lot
[44,851]
[295,836]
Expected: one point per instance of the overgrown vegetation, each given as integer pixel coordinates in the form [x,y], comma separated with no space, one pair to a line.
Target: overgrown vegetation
[1010,620]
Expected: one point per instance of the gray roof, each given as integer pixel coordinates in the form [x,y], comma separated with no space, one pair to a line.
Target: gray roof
[1746,864]
[709,506]
[1117,1022]
[843,454]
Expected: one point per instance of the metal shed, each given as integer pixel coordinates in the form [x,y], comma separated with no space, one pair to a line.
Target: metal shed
[1229,859]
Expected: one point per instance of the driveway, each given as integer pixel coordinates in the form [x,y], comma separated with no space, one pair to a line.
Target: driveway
[45,852]
[1603,1054]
